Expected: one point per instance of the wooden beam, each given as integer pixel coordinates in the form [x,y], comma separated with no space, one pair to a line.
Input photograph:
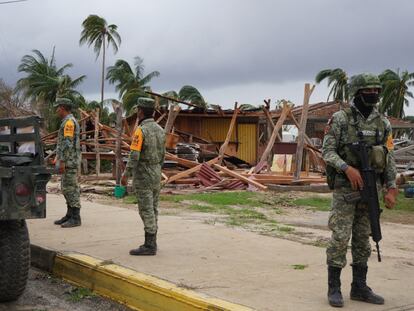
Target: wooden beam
[98,159]
[181,161]
[302,131]
[118,110]
[405,149]
[270,122]
[292,117]
[83,148]
[161,118]
[229,132]
[240,177]
[276,129]
[172,99]
[172,114]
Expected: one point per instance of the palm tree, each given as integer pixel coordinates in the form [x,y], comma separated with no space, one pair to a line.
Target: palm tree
[337,80]
[44,82]
[98,33]
[131,83]
[395,94]
[187,93]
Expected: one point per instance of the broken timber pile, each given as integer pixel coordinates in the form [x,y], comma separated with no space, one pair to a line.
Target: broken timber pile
[181,167]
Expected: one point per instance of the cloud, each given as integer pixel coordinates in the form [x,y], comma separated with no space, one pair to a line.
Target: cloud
[217,45]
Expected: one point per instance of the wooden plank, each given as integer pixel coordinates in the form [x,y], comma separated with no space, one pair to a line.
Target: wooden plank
[172,99]
[181,161]
[276,129]
[229,132]
[98,159]
[83,148]
[402,150]
[190,171]
[240,177]
[302,131]
[172,115]
[308,140]
[161,118]
[270,122]
[118,110]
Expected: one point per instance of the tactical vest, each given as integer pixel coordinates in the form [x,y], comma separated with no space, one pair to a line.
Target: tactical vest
[374,133]
[153,149]
[74,154]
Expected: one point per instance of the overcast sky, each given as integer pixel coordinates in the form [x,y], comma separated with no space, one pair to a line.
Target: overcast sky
[230,50]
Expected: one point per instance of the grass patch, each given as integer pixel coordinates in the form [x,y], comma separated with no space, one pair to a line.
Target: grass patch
[299,267]
[403,204]
[203,208]
[403,212]
[79,293]
[318,203]
[130,199]
[219,198]
[286,229]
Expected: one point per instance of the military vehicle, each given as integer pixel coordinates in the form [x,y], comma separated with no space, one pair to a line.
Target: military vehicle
[23,179]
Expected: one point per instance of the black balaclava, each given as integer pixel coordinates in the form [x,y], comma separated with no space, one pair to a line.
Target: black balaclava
[365,102]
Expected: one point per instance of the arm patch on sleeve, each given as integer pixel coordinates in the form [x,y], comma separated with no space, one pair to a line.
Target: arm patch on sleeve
[137,140]
[69,129]
[390,143]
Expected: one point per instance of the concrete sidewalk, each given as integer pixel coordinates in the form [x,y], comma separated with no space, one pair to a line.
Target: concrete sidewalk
[234,265]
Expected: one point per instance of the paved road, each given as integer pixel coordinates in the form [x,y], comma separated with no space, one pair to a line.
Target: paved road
[229,263]
[46,293]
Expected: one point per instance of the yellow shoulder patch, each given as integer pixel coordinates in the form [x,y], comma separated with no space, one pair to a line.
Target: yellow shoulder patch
[137,140]
[69,129]
[390,143]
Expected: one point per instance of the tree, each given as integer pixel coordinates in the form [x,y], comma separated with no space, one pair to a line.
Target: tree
[105,116]
[395,94]
[98,33]
[44,82]
[11,105]
[337,81]
[187,93]
[131,83]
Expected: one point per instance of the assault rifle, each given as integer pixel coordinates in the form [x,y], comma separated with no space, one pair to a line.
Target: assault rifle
[369,193]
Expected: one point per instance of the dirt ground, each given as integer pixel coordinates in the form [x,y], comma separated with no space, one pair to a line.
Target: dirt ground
[46,293]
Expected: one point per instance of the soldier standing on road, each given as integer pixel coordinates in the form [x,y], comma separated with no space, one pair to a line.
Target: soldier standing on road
[343,174]
[144,165]
[67,162]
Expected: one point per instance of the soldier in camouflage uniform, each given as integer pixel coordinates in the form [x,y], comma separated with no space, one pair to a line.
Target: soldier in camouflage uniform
[144,165]
[343,174]
[67,162]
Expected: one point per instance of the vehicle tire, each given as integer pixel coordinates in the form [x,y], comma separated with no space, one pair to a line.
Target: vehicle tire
[14,258]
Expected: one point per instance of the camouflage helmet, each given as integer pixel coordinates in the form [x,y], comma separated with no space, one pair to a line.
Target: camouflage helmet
[363,81]
[63,102]
[145,102]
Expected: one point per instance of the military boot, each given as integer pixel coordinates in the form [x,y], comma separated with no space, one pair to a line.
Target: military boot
[359,288]
[74,220]
[64,218]
[149,248]
[334,287]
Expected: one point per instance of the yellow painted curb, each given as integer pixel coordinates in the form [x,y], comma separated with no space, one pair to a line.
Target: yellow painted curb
[136,290]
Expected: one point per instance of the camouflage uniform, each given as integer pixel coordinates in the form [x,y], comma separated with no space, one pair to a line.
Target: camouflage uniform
[68,151]
[345,127]
[346,219]
[144,165]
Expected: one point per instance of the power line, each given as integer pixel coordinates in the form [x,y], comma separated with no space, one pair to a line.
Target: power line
[12,1]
